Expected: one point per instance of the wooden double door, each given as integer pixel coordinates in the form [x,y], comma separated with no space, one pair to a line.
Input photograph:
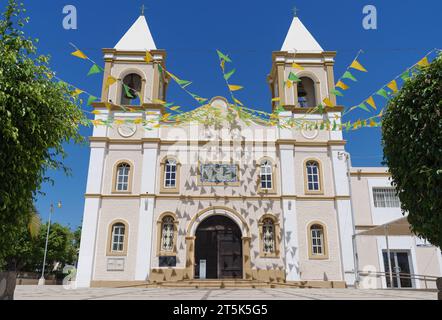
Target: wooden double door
[218,249]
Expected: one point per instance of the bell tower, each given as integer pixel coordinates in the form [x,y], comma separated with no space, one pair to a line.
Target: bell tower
[137,65]
[302,72]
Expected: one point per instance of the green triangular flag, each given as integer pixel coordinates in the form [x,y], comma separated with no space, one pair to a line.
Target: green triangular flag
[183,83]
[95,69]
[160,68]
[337,93]
[223,56]
[363,106]
[127,91]
[382,93]
[293,77]
[348,75]
[229,74]
[406,75]
[91,99]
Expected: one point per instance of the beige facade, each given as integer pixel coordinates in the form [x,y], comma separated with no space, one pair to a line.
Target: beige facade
[150,199]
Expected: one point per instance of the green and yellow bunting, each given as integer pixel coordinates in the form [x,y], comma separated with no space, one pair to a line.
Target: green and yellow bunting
[91,99]
[356,65]
[393,86]
[371,102]
[383,93]
[223,57]
[348,75]
[79,54]
[95,69]
[293,77]
[342,85]
[229,74]
[234,87]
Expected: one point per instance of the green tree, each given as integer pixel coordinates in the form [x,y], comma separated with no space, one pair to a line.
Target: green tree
[412,139]
[37,116]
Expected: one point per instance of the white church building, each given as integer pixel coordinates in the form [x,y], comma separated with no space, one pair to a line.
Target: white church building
[258,204]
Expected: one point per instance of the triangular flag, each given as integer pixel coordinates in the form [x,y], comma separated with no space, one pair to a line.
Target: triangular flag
[128,92]
[293,77]
[406,75]
[276,99]
[423,63]
[222,56]
[233,87]
[160,68]
[337,93]
[371,102]
[393,86]
[297,66]
[77,92]
[95,69]
[91,99]
[348,75]
[148,58]
[382,93]
[289,84]
[229,74]
[79,54]
[327,102]
[363,107]
[342,85]
[238,102]
[356,65]
[110,81]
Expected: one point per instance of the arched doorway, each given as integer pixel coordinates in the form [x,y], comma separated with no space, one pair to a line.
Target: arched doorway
[218,249]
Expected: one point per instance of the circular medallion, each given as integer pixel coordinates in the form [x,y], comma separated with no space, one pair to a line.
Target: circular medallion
[127,130]
[310,134]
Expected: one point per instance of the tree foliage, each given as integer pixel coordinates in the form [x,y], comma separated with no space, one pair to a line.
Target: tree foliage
[37,115]
[412,139]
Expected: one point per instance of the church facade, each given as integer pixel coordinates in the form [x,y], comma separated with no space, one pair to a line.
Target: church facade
[247,202]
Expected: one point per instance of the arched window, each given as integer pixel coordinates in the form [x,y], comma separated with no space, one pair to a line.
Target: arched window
[313,182]
[318,245]
[170,171]
[268,228]
[131,89]
[118,234]
[266,175]
[123,175]
[167,234]
[306,93]
[268,236]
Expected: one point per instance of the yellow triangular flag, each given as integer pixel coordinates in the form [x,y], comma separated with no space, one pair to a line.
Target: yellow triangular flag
[342,85]
[393,86]
[77,92]
[158,101]
[238,102]
[371,102]
[289,84]
[148,58]
[356,65]
[96,112]
[138,121]
[233,87]
[110,81]
[327,102]
[424,62]
[297,66]
[118,121]
[108,105]
[79,54]
[276,99]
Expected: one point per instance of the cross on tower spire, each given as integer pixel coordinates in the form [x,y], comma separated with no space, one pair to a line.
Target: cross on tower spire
[142,10]
[295,11]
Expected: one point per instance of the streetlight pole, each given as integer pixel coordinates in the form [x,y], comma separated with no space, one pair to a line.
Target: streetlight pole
[41,281]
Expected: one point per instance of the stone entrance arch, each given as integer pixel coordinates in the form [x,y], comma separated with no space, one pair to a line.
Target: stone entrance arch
[191,236]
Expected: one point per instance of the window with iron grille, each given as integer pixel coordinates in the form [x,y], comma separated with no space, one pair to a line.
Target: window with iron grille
[385,198]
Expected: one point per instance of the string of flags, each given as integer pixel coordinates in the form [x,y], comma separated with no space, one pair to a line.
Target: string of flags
[391,88]
[209,115]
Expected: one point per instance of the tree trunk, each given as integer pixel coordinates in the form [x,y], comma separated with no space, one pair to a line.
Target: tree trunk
[7,285]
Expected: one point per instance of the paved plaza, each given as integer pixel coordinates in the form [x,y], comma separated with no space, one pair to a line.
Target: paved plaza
[59,293]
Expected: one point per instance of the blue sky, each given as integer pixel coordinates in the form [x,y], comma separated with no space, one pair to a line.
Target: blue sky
[248,31]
